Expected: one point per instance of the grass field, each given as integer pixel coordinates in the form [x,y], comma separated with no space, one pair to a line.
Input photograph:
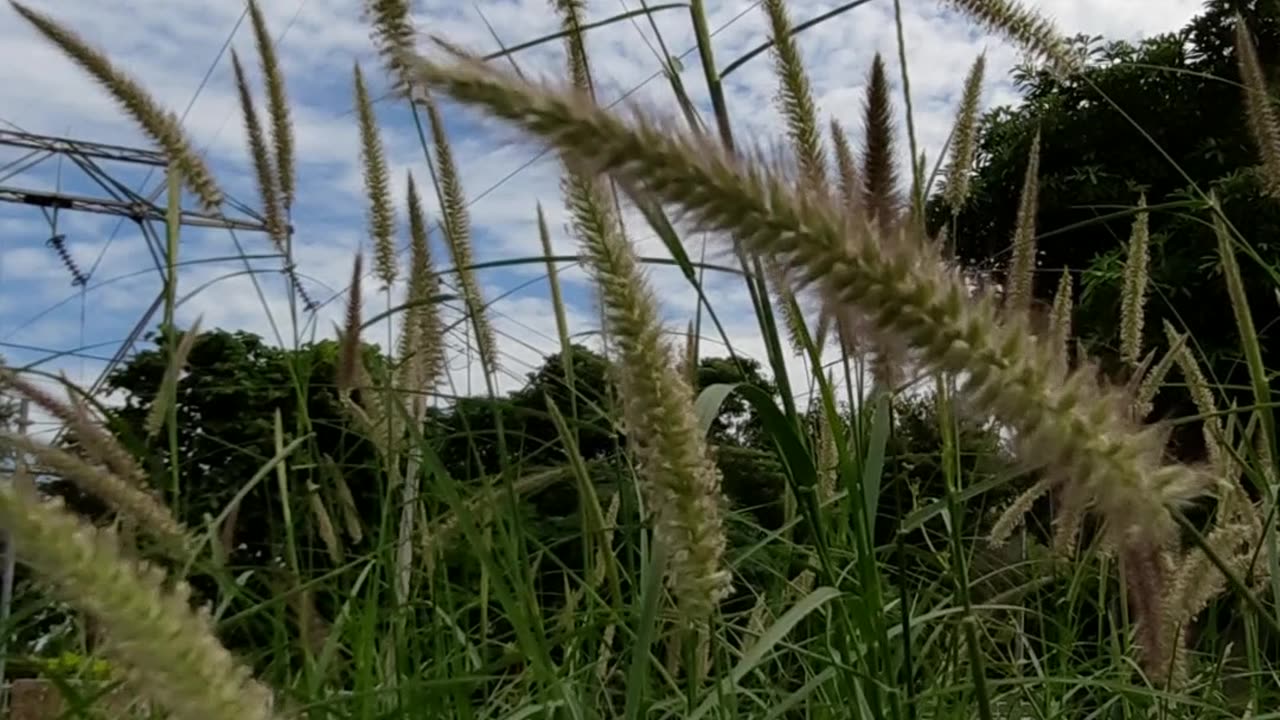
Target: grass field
[1059,565]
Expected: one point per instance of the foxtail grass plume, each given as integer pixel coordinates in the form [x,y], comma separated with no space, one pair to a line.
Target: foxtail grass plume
[964,139]
[689,361]
[681,482]
[571,24]
[162,126]
[349,359]
[371,409]
[828,455]
[324,524]
[1133,299]
[456,222]
[277,107]
[377,184]
[792,316]
[264,174]
[881,203]
[1022,268]
[169,653]
[1060,318]
[351,522]
[1234,537]
[393,35]
[1264,126]
[1035,33]
[164,399]
[1153,379]
[126,499]
[848,181]
[795,98]
[1070,425]
[423,318]
[879,166]
[1259,375]
[93,440]
[850,192]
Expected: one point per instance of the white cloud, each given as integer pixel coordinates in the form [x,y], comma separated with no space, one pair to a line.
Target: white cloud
[170,46]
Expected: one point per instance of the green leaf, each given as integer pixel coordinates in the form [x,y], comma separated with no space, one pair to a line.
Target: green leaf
[758,651]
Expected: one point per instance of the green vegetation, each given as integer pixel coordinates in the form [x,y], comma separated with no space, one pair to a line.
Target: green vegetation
[982,520]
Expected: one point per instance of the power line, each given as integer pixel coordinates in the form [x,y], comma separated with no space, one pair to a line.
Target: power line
[190,104]
[542,153]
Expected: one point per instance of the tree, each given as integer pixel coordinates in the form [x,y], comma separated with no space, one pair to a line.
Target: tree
[235,384]
[1105,134]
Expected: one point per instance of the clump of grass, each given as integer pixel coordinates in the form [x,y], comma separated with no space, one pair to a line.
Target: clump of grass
[1076,428]
[876,274]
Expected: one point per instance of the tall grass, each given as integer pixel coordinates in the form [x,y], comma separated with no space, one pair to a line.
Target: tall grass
[942,610]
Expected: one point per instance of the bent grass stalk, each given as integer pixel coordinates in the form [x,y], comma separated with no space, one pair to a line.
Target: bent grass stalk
[1086,437]
[1069,423]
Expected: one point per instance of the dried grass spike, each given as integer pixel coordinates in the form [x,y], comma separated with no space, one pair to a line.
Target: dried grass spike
[457,231]
[1263,123]
[965,137]
[424,286]
[1019,283]
[795,97]
[1133,299]
[1033,32]
[393,34]
[1060,318]
[880,197]
[571,23]
[1154,379]
[162,126]
[95,442]
[258,153]
[850,185]
[169,653]
[350,364]
[377,184]
[277,106]
[124,498]
[893,278]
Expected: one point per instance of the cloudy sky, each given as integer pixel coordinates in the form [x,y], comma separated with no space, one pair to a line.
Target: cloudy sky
[177,50]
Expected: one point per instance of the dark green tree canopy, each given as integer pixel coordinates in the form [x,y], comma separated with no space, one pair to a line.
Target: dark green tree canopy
[1157,117]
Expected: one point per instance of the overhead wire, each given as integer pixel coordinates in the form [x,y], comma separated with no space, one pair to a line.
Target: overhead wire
[473,199]
[204,81]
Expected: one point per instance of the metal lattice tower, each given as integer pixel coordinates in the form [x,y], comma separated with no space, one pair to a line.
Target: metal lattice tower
[116,199]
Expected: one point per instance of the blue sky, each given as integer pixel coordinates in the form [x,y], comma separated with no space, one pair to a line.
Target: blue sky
[170,46]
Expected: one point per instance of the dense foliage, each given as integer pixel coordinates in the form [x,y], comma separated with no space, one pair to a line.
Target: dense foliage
[1161,116]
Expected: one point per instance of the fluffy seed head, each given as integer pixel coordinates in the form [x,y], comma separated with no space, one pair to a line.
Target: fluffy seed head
[377,184]
[162,126]
[1066,421]
[964,140]
[169,653]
